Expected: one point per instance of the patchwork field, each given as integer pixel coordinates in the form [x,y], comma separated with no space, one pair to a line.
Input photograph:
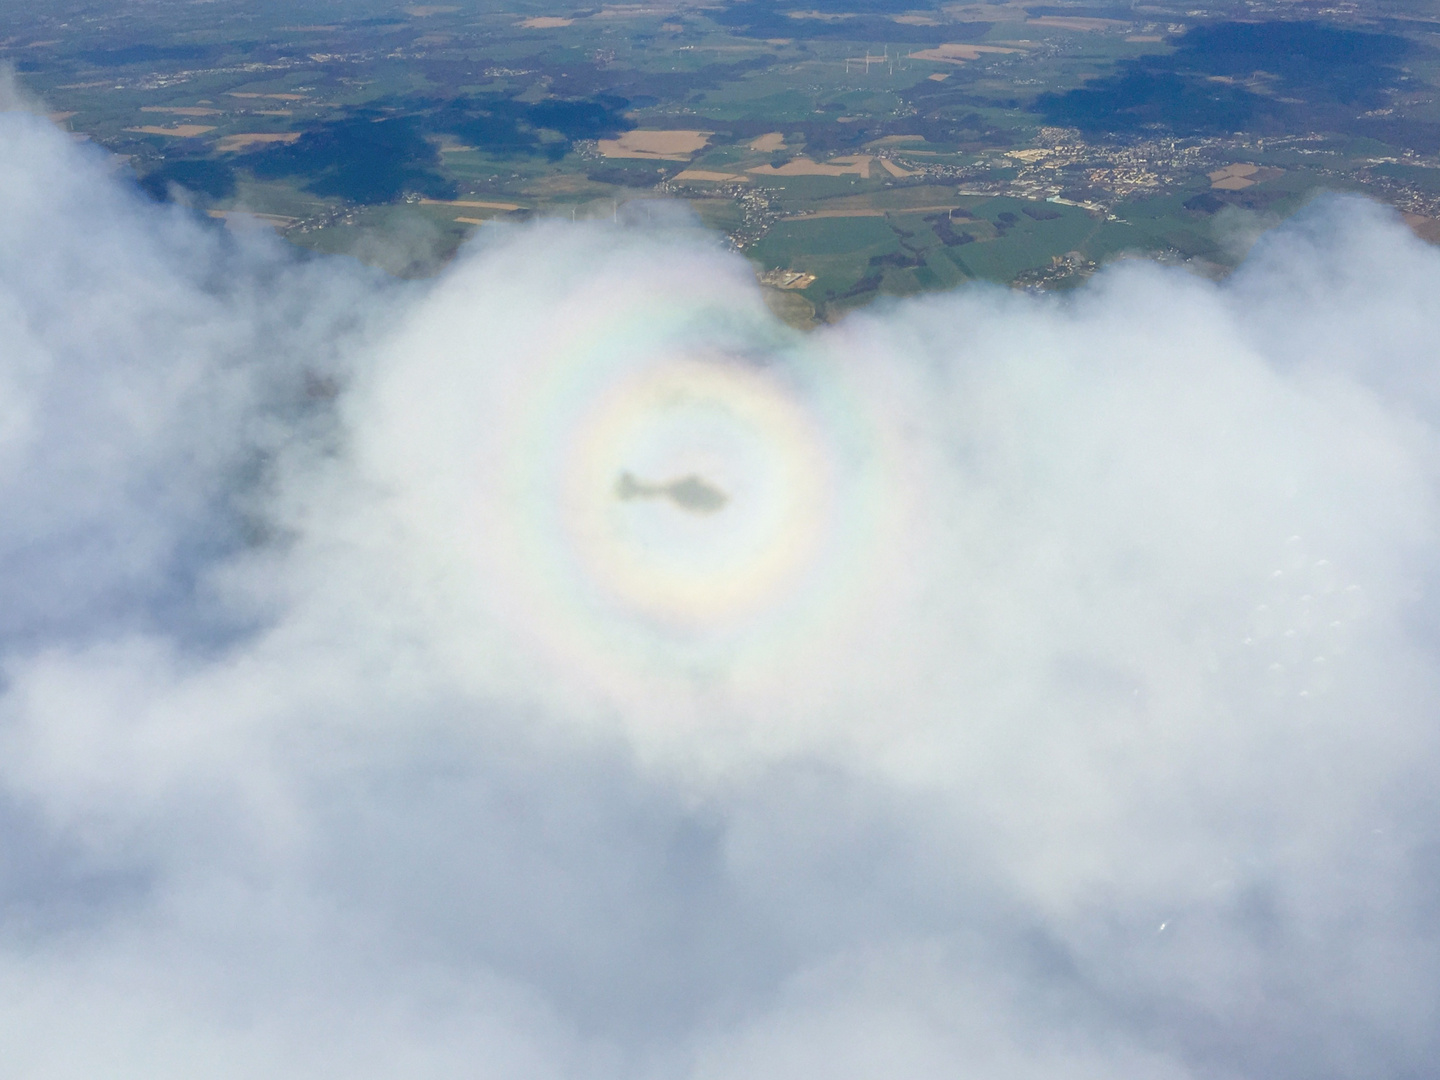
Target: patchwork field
[959,54]
[179,131]
[857,165]
[657,145]
[234,144]
[854,153]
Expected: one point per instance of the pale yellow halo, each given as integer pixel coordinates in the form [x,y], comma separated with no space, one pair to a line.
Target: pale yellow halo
[696,493]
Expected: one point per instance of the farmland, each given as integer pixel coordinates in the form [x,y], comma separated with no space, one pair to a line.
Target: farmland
[868,151]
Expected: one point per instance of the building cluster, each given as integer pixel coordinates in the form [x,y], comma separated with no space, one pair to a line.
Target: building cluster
[760,208]
[1071,266]
[1063,167]
[1407,196]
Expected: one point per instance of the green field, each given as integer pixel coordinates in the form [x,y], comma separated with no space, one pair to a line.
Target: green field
[386,107]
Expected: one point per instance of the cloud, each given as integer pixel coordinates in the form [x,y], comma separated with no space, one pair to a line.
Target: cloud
[1047,691]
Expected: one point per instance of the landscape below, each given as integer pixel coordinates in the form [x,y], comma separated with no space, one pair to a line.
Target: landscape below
[849,150]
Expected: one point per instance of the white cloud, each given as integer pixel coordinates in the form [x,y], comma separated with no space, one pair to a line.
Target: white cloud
[1037,686]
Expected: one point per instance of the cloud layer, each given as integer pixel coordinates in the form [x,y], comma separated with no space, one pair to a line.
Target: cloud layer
[1044,688]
